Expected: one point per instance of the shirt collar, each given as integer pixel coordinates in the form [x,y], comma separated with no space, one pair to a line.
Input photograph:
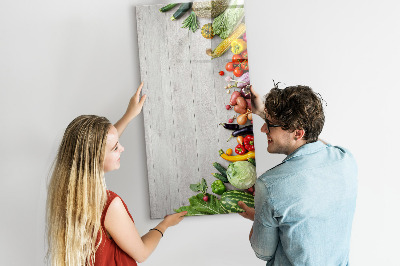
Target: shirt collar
[306,149]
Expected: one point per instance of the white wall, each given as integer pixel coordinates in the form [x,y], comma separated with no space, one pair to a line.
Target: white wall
[60,59]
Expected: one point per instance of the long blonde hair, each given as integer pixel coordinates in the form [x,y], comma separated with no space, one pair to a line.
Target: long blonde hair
[77,193]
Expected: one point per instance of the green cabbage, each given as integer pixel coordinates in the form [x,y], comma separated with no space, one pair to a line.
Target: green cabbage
[241,174]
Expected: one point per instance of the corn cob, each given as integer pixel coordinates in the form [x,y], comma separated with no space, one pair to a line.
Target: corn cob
[225,44]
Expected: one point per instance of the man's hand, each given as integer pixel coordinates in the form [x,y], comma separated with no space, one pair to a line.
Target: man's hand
[257,104]
[248,212]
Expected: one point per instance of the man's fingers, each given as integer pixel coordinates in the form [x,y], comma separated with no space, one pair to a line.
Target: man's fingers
[243,214]
[253,92]
[243,205]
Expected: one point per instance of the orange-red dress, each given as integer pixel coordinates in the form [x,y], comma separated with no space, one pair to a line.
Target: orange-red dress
[108,253]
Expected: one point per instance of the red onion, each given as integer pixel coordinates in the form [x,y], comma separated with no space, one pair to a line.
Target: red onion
[245,92]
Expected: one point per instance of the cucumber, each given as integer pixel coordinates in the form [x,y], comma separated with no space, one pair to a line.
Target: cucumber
[183,8]
[220,168]
[252,161]
[167,7]
[230,199]
[221,177]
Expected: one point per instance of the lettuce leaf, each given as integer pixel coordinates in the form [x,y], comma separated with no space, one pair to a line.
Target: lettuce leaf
[200,207]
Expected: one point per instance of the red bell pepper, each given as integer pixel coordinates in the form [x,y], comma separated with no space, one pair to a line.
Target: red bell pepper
[240,149]
[249,142]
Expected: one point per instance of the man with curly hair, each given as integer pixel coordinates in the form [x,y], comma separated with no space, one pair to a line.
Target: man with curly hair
[304,206]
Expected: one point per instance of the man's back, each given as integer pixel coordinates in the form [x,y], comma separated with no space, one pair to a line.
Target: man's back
[305,207]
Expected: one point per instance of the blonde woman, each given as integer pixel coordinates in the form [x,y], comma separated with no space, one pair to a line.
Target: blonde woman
[86,223]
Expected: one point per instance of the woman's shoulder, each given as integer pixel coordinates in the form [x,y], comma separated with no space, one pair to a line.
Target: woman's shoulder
[115,202]
[111,194]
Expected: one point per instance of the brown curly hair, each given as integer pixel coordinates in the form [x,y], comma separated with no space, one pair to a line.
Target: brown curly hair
[297,107]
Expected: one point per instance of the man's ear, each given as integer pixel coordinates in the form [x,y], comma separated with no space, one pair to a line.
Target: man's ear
[299,134]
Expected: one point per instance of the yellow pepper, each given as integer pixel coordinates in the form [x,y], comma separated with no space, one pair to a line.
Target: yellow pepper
[244,157]
[238,46]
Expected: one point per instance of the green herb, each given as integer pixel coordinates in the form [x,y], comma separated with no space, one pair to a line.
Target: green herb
[200,207]
[225,23]
[191,22]
[190,211]
[202,186]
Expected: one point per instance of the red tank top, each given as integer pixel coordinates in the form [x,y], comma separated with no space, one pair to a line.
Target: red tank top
[109,253]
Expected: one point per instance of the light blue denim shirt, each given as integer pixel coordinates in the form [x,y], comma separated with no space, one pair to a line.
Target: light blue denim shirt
[305,208]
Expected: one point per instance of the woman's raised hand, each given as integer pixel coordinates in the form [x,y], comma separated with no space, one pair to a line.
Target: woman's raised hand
[135,105]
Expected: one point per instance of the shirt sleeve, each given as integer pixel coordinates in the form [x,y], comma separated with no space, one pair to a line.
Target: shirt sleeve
[265,237]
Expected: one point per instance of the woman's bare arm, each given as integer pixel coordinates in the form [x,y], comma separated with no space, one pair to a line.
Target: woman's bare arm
[134,108]
[122,229]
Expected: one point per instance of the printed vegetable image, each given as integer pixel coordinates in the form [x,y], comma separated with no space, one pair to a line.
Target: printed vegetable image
[236,167]
[210,9]
[244,80]
[207,31]
[236,158]
[245,92]
[202,186]
[167,7]
[183,8]
[221,177]
[225,44]
[225,23]
[240,149]
[234,97]
[245,37]
[249,143]
[230,126]
[252,161]
[247,130]
[218,187]
[241,105]
[242,119]
[230,199]
[200,207]
[230,66]
[191,22]
[241,174]
[238,46]
[244,65]
[238,71]
[237,59]
[244,54]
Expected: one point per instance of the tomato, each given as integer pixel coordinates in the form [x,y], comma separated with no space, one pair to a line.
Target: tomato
[245,55]
[238,71]
[237,58]
[221,73]
[244,65]
[229,152]
[230,67]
